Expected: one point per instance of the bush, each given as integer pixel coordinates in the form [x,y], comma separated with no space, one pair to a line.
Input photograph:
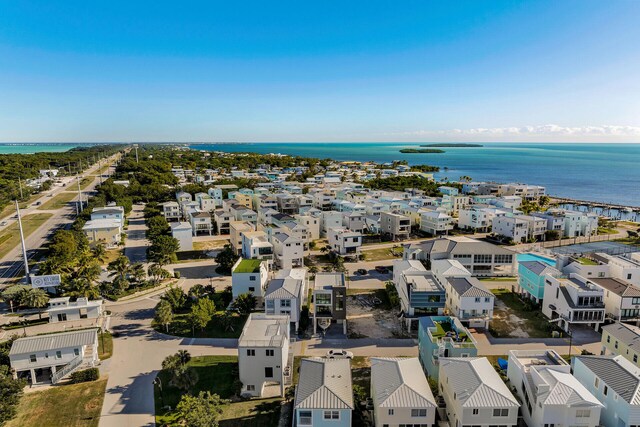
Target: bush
[176,274]
[86,375]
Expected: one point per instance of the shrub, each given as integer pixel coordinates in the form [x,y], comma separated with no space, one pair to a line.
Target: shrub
[176,274]
[86,375]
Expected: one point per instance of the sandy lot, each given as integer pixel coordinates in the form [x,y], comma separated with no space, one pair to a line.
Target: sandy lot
[365,321]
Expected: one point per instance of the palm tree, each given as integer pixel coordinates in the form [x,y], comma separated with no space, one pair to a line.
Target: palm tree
[99,252]
[35,298]
[137,272]
[184,356]
[120,269]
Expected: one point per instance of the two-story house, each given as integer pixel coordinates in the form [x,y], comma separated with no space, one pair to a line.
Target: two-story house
[435,223]
[287,293]
[249,276]
[288,251]
[255,245]
[344,242]
[329,301]
[62,309]
[531,278]
[420,294]
[621,299]
[395,225]
[573,300]
[621,339]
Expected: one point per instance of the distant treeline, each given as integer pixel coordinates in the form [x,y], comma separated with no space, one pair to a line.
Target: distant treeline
[421,150]
[15,167]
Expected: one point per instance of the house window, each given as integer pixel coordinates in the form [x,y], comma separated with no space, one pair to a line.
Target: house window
[304,418]
[252,278]
[487,299]
[331,415]
[501,412]
[606,390]
[583,413]
[252,289]
[635,358]
[608,338]
[616,344]
[32,358]
[418,412]
[59,354]
[596,383]
[285,303]
[390,411]
[76,351]
[251,387]
[475,411]
[477,299]
[251,352]
[270,352]
[635,301]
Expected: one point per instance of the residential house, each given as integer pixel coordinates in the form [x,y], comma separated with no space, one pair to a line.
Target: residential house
[288,251]
[109,212]
[474,393]
[329,301]
[344,242]
[171,211]
[49,358]
[108,231]
[401,393]
[223,220]
[263,354]
[475,217]
[236,229]
[621,299]
[442,336]
[183,232]
[200,222]
[312,224]
[616,383]
[63,310]
[249,276]
[550,394]
[255,245]
[435,223]
[573,300]
[395,225]
[513,227]
[621,339]
[286,294]
[531,278]
[420,294]
[329,220]
[324,394]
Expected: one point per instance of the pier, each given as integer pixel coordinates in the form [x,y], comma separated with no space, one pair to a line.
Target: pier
[590,205]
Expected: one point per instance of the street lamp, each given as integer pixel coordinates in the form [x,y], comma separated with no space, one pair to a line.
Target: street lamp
[157,381]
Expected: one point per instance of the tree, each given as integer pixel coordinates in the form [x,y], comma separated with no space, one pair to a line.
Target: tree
[197,291]
[164,314]
[245,303]
[184,356]
[11,294]
[120,269]
[202,410]
[157,226]
[157,273]
[163,250]
[226,321]
[34,298]
[10,393]
[137,272]
[202,312]
[175,297]
[99,252]
[226,258]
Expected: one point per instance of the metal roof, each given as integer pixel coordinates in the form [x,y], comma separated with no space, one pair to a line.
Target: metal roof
[627,334]
[618,373]
[468,287]
[400,383]
[476,383]
[324,384]
[617,286]
[30,345]
[283,288]
[536,267]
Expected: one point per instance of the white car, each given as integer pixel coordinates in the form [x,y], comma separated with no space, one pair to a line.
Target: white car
[339,354]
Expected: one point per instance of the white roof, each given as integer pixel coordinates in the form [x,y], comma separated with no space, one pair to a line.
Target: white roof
[566,389]
[51,342]
[449,268]
[324,384]
[476,383]
[264,330]
[400,383]
[102,224]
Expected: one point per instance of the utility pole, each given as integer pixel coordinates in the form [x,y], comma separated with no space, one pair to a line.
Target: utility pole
[24,247]
[79,194]
[136,147]
[20,185]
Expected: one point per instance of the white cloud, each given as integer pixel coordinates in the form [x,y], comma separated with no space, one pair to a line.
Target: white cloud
[544,132]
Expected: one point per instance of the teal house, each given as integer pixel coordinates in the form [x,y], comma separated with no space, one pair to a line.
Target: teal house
[442,336]
[531,278]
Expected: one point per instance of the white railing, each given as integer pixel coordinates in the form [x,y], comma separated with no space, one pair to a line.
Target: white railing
[58,375]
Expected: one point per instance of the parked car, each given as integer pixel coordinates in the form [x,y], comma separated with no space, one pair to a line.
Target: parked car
[361,271]
[382,269]
[38,203]
[3,223]
[339,354]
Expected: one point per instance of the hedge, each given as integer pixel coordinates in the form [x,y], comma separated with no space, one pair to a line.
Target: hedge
[86,375]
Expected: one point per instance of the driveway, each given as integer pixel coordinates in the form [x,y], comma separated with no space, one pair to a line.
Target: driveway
[135,242]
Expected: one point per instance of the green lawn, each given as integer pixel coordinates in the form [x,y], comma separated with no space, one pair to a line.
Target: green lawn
[498,279]
[86,181]
[381,254]
[533,322]
[182,328]
[10,236]
[105,345]
[10,209]
[219,375]
[586,261]
[73,405]
[58,201]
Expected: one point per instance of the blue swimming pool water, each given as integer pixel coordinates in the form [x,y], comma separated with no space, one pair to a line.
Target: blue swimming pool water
[534,257]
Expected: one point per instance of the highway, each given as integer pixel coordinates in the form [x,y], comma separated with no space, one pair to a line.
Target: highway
[12,265]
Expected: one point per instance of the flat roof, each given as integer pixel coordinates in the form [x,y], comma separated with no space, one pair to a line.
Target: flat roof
[264,330]
[329,280]
[248,266]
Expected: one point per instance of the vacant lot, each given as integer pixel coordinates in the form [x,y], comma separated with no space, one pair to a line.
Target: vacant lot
[219,375]
[369,315]
[73,405]
[10,236]
[59,201]
[382,254]
[512,318]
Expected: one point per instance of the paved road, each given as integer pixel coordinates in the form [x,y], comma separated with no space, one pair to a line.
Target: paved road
[135,242]
[11,265]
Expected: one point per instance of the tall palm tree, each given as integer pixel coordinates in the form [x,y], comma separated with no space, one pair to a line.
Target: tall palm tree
[120,269]
[137,272]
[99,252]
[35,298]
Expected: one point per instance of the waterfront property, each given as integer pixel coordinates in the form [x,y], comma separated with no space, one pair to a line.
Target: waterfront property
[616,383]
[439,337]
[401,394]
[623,340]
[475,394]
[550,395]
[263,354]
[324,394]
[49,358]
[573,300]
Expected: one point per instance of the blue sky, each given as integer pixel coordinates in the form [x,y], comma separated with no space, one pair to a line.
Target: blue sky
[320,71]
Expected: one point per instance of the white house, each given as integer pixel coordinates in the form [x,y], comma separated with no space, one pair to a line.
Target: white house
[513,227]
[171,211]
[573,300]
[263,354]
[288,251]
[255,245]
[108,231]
[182,231]
[420,294]
[200,222]
[435,223]
[287,293]
[616,383]
[621,299]
[474,393]
[62,309]
[249,276]
[329,220]
[324,394]
[344,242]
[550,395]
[109,212]
[50,358]
[401,394]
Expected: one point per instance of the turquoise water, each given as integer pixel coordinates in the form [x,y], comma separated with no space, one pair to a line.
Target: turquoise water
[36,148]
[534,257]
[599,172]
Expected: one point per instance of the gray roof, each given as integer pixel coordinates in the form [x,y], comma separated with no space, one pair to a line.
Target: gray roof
[400,383]
[459,245]
[536,267]
[264,330]
[627,334]
[611,371]
[468,287]
[283,288]
[324,384]
[30,345]
[329,280]
[476,383]
[617,286]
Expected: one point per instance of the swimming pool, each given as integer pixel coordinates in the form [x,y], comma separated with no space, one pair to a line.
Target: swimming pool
[535,257]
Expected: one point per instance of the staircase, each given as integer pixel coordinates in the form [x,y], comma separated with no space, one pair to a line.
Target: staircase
[68,369]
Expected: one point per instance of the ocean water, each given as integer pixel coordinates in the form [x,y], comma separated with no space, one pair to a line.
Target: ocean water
[36,148]
[608,173]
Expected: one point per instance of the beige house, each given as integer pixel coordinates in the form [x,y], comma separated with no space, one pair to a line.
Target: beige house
[620,339]
[103,230]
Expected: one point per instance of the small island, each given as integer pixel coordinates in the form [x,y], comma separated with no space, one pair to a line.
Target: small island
[421,150]
[452,144]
